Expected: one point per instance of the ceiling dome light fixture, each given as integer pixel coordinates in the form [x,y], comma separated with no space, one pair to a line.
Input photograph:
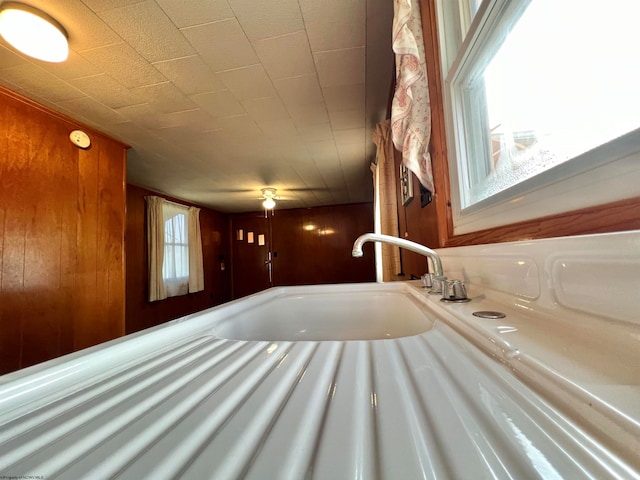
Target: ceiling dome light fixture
[33,32]
[269,195]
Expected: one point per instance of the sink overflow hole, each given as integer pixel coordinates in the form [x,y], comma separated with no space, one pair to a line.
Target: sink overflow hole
[489,314]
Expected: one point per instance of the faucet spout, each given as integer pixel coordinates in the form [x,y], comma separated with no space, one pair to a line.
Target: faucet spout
[402,243]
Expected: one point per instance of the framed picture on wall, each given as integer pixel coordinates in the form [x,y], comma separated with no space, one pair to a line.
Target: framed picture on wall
[406,184]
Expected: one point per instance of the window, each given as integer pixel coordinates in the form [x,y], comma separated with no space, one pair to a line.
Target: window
[542,106]
[175,265]
[175,249]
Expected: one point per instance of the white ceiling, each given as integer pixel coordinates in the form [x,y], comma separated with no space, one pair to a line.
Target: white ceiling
[219,98]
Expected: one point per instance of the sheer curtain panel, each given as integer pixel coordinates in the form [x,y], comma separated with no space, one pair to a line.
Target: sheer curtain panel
[155,246]
[196,271]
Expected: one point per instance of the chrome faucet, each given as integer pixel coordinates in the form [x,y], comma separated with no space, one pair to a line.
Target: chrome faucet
[439,283]
[437,278]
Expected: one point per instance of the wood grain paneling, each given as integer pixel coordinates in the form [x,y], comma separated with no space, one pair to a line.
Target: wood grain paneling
[250,268]
[313,245]
[416,224]
[61,236]
[140,313]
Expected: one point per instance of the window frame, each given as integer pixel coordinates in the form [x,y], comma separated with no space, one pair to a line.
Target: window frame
[603,175]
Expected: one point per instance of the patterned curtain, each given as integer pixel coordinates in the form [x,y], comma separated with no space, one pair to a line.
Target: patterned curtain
[410,108]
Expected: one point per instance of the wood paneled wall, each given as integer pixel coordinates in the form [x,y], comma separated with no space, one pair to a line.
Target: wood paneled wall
[313,245]
[61,236]
[416,223]
[140,313]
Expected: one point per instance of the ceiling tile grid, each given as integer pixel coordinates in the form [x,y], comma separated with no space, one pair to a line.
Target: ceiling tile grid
[228,95]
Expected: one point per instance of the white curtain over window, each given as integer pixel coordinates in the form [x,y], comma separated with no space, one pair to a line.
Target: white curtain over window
[175,249]
[196,271]
[410,108]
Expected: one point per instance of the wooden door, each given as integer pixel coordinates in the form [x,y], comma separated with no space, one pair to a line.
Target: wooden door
[252,267]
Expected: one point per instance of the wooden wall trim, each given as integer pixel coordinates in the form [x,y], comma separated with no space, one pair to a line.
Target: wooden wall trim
[612,217]
[438,144]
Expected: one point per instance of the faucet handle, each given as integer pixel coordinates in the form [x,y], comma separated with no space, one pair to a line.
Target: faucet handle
[437,283]
[454,291]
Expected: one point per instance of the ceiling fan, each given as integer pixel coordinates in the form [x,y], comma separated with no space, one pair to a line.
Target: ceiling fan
[270,197]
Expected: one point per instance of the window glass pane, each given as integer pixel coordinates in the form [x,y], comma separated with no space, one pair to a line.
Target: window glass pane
[563,82]
[176,248]
[473,6]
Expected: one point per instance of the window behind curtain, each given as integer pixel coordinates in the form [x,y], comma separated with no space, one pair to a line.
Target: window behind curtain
[175,249]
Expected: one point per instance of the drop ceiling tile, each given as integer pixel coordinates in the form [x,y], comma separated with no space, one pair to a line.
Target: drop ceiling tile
[34,80]
[351,152]
[142,115]
[9,58]
[92,112]
[311,177]
[334,24]
[308,114]
[299,90]
[122,63]
[241,126]
[356,135]
[344,97]
[286,56]
[219,104]
[268,18]
[195,121]
[106,90]
[323,151]
[148,30]
[278,128]
[310,133]
[101,5]
[131,133]
[85,29]
[332,176]
[341,67]
[177,133]
[248,82]
[165,97]
[347,119]
[222,45]
[265,109]
[74,67]
[186,14]
[191,75]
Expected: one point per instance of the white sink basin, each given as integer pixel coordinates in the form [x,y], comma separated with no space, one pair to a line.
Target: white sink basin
[332,312]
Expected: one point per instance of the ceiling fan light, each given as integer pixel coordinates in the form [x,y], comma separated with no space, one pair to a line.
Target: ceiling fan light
[269,203]
[33,32]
